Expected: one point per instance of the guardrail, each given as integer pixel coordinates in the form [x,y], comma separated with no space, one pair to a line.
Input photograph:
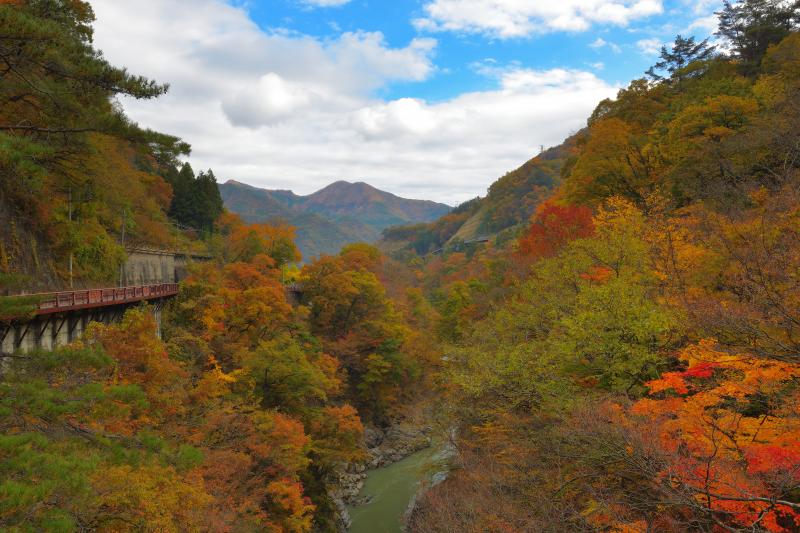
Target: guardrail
[57,302]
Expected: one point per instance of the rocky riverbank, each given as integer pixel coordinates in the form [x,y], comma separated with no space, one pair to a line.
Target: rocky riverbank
[384,447]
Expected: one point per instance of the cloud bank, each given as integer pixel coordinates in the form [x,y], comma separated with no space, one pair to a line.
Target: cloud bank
[283,110]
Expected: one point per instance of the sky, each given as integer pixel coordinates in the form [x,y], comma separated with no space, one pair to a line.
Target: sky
[429,99]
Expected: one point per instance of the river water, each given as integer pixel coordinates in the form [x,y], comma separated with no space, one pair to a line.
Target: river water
[392,488]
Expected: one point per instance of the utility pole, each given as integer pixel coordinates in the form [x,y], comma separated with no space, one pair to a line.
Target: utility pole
[70,251]
[122,266]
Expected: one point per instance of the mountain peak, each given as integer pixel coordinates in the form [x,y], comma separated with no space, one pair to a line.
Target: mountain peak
[346,193]
[348,185]
[335,215]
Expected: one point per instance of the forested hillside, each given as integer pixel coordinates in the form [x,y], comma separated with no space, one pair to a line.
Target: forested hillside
[511,200]
[75,174]
[237,421]
[241,417]
[636,367]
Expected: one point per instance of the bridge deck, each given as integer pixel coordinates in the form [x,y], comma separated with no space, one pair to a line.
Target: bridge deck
[58,302]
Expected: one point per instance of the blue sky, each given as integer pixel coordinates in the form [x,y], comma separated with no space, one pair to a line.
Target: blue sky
[425,98]
[612,51]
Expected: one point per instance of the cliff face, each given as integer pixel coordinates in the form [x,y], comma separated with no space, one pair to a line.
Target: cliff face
[23,257]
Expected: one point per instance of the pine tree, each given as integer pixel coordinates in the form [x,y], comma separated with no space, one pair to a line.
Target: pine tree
[751,26]
[684,52]
[208,203]
[196,201]
[53,78]
[181,210]
[55,90]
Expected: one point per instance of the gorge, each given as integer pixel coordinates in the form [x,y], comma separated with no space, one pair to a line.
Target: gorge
[607,341]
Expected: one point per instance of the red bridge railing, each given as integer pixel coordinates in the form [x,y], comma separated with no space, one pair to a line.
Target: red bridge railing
[57,302]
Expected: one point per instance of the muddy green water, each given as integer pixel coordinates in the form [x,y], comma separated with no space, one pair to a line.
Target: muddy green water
[391,490]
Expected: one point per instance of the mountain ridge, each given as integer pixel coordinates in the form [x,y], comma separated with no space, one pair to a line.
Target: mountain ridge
[340,213]
[334,185]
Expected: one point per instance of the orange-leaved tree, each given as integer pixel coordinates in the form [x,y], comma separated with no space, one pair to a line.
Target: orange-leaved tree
[553,226]
[728,429]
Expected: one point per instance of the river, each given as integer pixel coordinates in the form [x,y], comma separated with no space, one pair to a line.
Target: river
[390,490]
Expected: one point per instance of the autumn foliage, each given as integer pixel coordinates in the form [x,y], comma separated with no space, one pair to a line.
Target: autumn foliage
[728,432]
[641,372]
[621,357]
[552,227]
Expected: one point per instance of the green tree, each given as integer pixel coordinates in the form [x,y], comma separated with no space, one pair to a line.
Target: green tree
[616,160]
[674,61]
[616,335]
[56,88]
[196,200]
[182,181]
[207,201]
[59,130]
[289,378]
[751,26]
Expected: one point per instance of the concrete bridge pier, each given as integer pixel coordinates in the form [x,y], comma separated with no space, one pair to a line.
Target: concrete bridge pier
[156,308]
[47,332]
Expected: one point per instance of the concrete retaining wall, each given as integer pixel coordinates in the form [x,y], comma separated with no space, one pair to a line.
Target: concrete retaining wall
[149,267]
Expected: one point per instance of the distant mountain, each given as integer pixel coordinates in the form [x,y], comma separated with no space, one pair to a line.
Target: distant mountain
[326,220]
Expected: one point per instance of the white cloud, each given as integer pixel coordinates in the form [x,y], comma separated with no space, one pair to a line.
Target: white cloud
[700,7]
[524,97]
[705,21]
[599,43]
[520,18]
[394,119]
[707,25]
[283,110]
[491,68]
[267,101]
[649,47]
